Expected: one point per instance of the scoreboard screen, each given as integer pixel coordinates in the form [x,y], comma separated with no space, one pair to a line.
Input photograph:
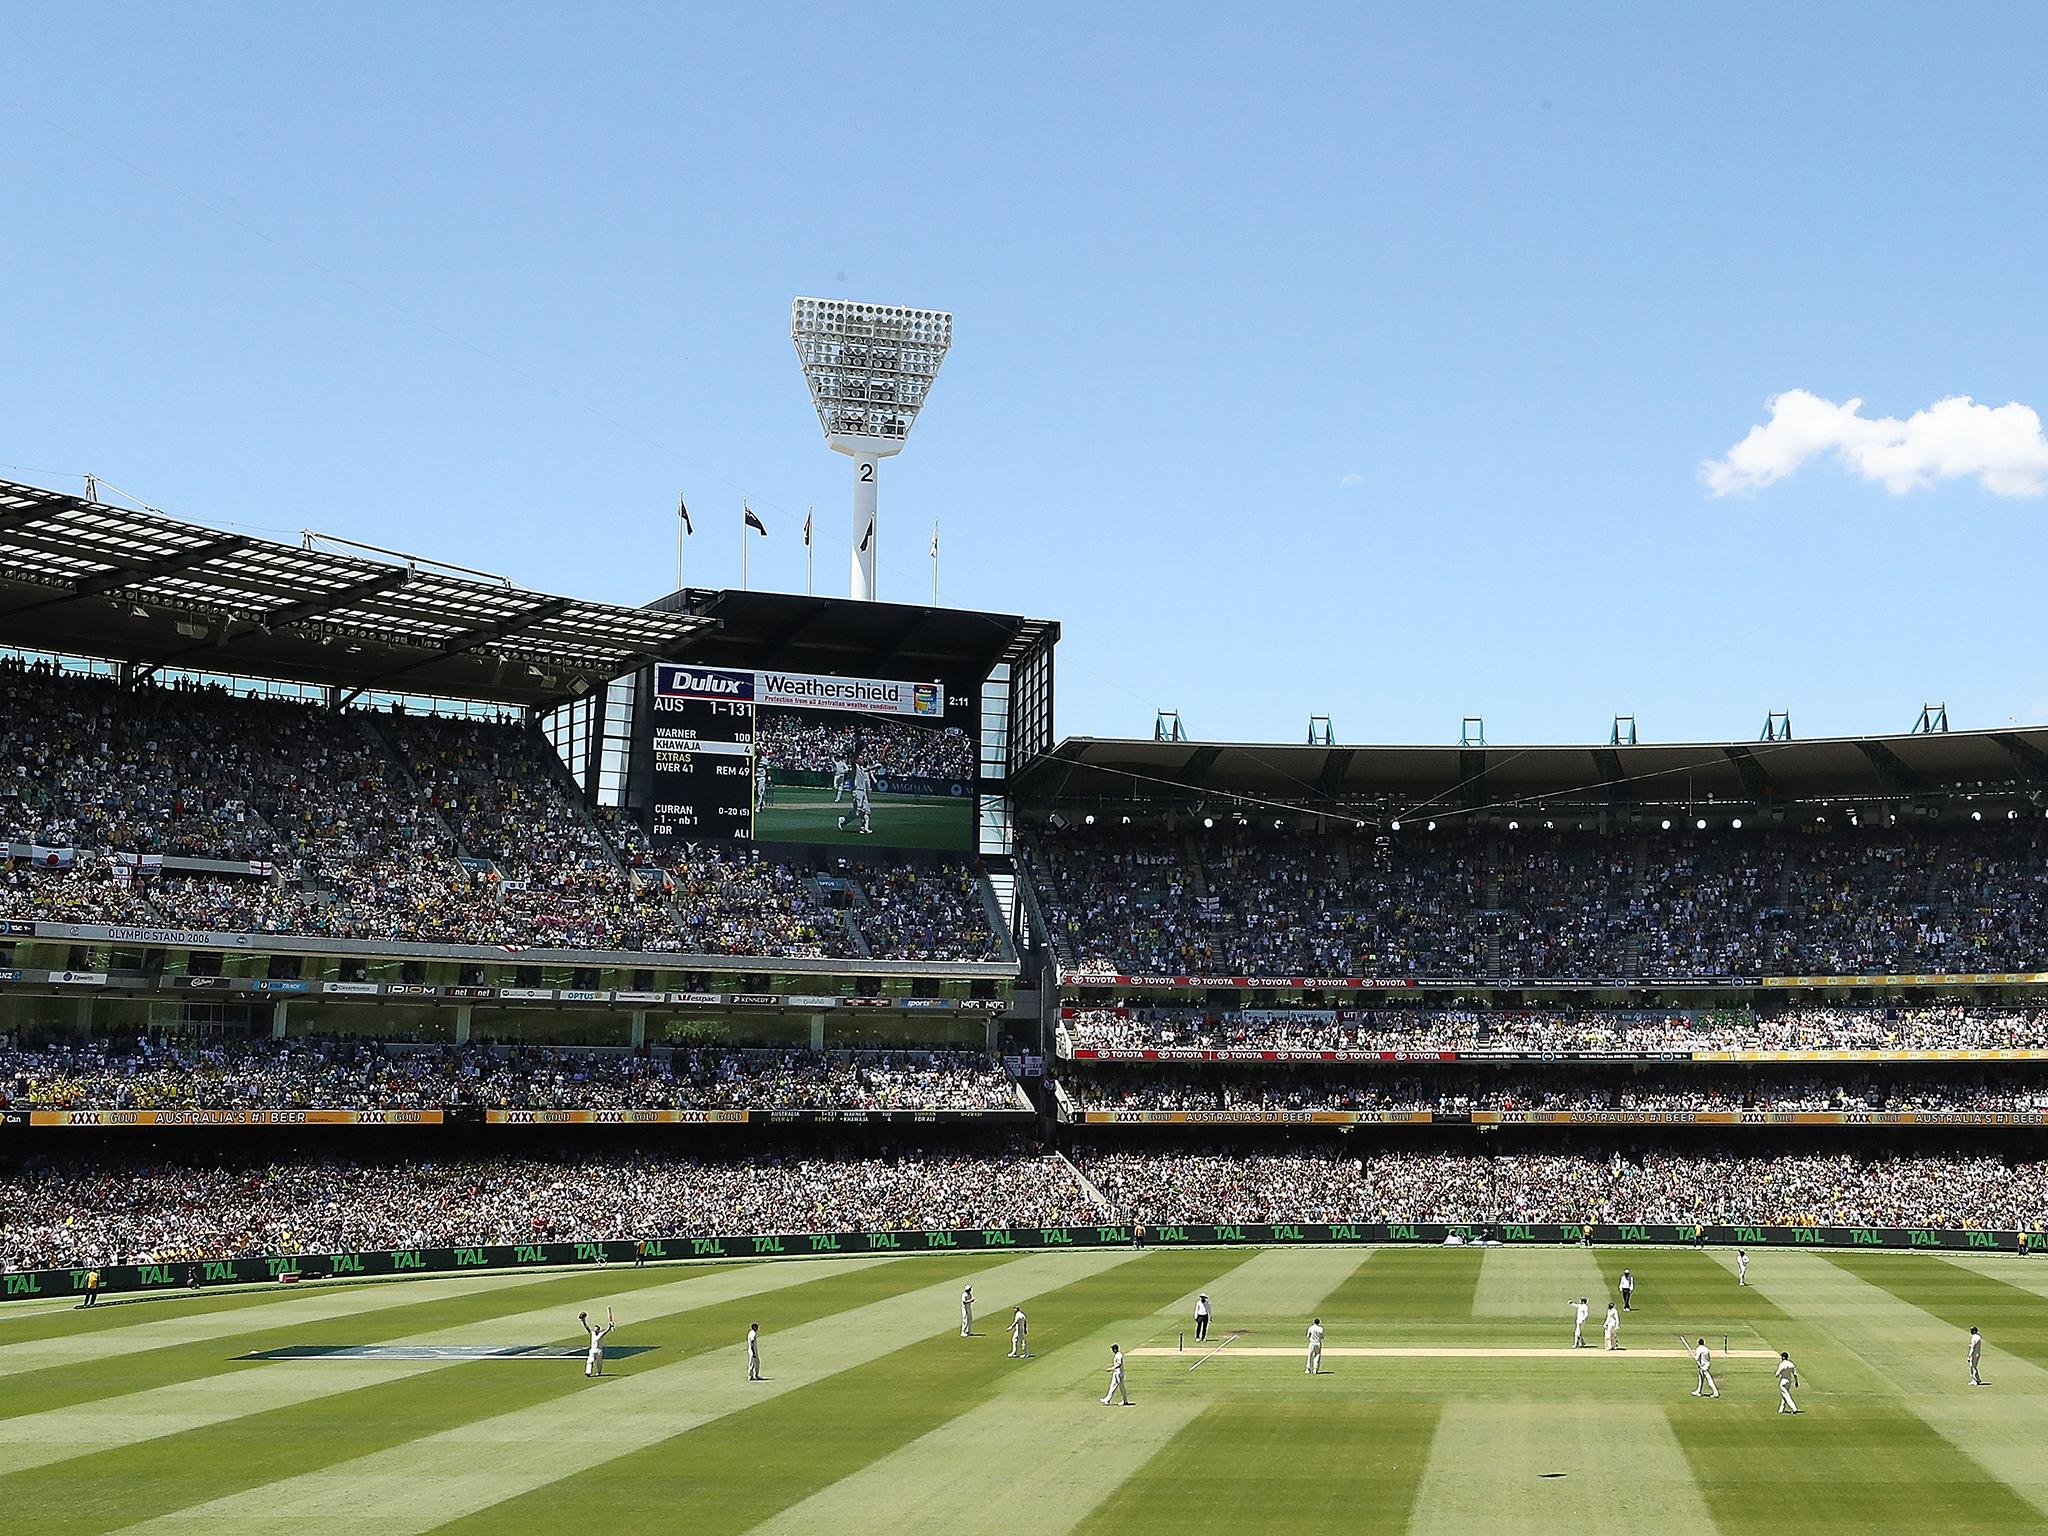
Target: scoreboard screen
[806,758]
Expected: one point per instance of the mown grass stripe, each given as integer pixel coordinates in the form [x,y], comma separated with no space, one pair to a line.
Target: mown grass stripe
[1610,1466]
[1539,1283]
[1344,1464]
[239,1390]
[744,1468]
[121,1487]
[961,1476]
[2013,1320]
[1876,1468]
[91,1375]
[30,1321]
[1420,1291]
[1878,1332]
[255,1313]
[472,1466]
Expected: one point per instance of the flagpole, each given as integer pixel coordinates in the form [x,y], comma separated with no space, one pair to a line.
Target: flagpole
[743,547]
[809,550]
[935,562]
[679,554]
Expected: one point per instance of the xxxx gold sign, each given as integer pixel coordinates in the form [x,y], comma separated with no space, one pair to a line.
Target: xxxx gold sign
[148,1117]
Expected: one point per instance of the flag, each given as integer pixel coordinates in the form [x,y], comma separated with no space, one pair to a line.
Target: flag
[754,522]
[684,513]
[807,530]
[869,537]
[51,858]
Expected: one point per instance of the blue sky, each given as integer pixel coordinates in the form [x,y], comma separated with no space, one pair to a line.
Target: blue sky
[1352,360]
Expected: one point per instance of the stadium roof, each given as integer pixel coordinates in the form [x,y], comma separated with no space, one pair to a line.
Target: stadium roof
[863,639]
[84,578]
[1089,770]
[138,586]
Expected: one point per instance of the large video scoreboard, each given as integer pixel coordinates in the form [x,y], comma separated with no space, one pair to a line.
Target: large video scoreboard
[799,757]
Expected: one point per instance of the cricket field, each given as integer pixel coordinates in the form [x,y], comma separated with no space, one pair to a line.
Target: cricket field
[1449,1401]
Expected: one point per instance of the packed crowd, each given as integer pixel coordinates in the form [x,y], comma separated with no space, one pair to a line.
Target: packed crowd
[132,1211]
[1807,1027]
[1814,900]
[917,914]
[808,744]
[1240,1089]
[400,826]
[86,891]
[104,1073]
[1802,1189]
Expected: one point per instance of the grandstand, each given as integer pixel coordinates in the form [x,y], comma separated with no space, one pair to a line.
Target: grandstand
[307,852]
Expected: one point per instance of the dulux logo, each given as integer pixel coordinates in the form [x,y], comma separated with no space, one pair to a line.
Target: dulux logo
[704,683]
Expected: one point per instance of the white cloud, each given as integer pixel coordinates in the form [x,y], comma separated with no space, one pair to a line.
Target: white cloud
[1953,439]
[1351,482]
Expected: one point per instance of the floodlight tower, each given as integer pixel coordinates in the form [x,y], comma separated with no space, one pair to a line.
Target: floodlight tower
[869,367]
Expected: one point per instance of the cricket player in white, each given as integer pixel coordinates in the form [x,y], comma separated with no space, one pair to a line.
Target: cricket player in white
[1612,1328]
[1201,1317]
[1742,1266]
[967,1313]
[1580,1312]
[753,1351]
[593,1363]
[762,785]
[839,776]
[1628,1289]
[1315,1348]
[863,786]
[1976,1357]
[1703,1357]
[1788,1378]
[1116,1378]
[1017,1327]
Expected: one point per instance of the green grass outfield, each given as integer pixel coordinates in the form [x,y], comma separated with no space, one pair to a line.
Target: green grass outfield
[877,1416]
[803,815]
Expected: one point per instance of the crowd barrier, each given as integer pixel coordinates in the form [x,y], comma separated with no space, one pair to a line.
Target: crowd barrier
[130,1278]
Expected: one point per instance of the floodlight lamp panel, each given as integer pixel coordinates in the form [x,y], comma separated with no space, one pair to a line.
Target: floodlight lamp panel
[869,368]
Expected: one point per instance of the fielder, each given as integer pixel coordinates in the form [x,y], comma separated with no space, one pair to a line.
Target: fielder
[1017,1328]
[1580,1312]
[967,1313]
[1611,1330]
[763,784]
[1788,1378]
[753,1351]
[1628,1289]
[1315,1348]
[593,1363]
[839,777]
[863,787]
[1703,1357]
[1116,1379]
[1742,1266]
[1201,1317]
[1976,1357]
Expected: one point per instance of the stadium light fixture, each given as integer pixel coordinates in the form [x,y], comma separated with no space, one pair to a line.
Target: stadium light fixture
[1736,823]
[1089,818]
[869,367]
[1700,825]
[1430,828]
[1208,821]
[1395,825]
[1667,826]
